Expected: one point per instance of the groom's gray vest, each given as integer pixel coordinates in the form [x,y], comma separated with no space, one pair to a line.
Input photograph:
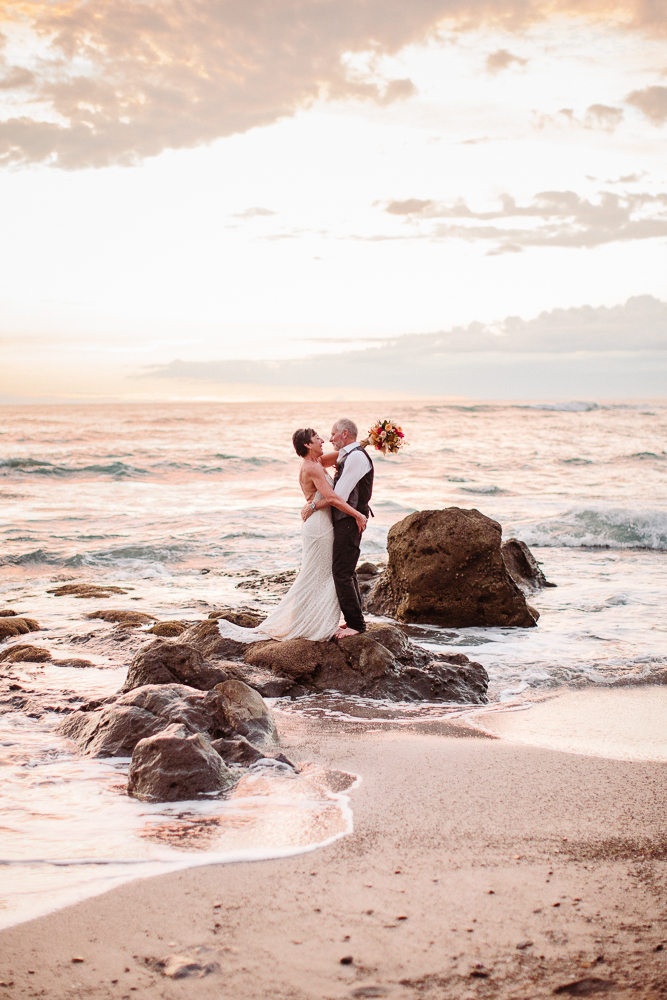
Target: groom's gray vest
[362,492]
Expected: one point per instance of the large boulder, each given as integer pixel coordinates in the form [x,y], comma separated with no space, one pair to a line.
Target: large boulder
[113,728]
[380,663]
[164,662]
[522,565]
[176,765]
[446,568]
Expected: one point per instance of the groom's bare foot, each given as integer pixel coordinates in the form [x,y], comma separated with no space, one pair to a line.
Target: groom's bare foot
[343,632]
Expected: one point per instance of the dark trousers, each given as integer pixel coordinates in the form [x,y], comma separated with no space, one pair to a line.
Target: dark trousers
[346,547]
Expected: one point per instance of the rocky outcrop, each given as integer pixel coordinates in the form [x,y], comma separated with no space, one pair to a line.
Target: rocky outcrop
[381,663]
[446,568]
[522,565]
[164,662]
[114,727]
[122,616]
[17,625]
[87,590]
[176,765]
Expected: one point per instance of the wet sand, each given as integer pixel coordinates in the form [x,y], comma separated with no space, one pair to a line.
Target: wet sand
[477,868]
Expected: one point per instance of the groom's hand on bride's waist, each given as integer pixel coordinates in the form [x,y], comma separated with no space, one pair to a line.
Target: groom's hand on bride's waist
[306,512]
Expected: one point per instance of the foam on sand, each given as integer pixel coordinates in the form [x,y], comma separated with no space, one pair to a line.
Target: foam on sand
[620,723]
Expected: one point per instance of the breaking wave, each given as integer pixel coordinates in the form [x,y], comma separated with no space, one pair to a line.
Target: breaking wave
[611,528]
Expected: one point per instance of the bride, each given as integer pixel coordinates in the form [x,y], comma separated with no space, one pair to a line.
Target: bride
[310,609]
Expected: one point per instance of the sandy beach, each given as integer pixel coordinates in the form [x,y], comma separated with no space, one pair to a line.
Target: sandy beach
[477,868]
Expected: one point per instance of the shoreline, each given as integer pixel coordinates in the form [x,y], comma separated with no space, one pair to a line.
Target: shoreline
[488,819]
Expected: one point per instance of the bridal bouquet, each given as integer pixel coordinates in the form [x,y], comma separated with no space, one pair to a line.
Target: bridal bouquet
[385,436]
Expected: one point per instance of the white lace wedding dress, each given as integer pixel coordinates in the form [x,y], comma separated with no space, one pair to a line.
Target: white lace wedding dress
[310,609]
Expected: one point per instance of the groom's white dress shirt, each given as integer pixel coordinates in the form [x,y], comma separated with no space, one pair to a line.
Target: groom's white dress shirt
[356,466]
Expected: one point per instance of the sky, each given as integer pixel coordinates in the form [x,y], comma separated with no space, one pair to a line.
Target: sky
[239,199]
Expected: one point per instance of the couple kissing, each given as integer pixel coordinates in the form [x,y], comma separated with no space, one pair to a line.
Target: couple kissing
[333,520]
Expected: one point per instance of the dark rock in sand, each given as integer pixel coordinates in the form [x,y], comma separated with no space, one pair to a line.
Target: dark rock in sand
[205,637]
[522,565]
[245,617]
[446,568]
[23,653]
[86,590]
[17,625]
[168,629]
[367,569]
[380,663]
[164,662]
[174,765]
[247,713]
[113,729]
[123,617]
[7,613]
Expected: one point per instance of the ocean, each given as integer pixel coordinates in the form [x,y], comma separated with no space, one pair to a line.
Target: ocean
[187,506]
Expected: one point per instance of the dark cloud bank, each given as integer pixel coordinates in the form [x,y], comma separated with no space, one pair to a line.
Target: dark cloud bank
[618,352]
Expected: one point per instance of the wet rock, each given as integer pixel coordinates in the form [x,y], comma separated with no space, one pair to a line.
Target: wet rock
[245,617]
[123,617]
[248,713]
[294,658]
[168,629]
[205,637]
[113,728]
[73,662]
[367,569]
[265,682]
[522,565]
[238,751]
[380,663]
[87,590]
[175,765]
[112,732]
[24,653]
[17,625]
[164,662]
[7,613]
[446,568]
[275,584]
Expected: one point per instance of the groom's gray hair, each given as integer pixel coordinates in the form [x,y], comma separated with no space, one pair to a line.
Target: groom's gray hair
[347,425]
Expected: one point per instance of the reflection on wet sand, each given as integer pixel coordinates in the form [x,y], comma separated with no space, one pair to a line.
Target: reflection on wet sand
[625,723]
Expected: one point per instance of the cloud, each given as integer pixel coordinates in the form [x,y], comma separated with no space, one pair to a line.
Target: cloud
[410,207]
[652,101]
[496,61]
[100,82]
[562,219]
[253,213]
[597,116]
[612,352]
[603,116]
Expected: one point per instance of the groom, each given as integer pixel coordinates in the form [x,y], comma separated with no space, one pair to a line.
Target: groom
[354,483]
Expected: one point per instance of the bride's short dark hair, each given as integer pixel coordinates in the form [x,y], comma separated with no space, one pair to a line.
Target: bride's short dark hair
[301,438]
